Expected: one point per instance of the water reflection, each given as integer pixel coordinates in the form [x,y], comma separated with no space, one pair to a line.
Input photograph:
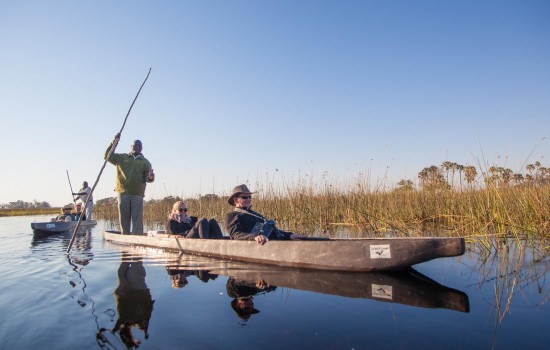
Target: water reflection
[243,293]
[50,245]
[512,269]
[404,287]
[179,276]
[133,301]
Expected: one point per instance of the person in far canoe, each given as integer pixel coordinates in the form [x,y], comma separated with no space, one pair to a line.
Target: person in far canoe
[83,195]
[65,215]
[77,212]
[133,172]
[180,223]
[244,223]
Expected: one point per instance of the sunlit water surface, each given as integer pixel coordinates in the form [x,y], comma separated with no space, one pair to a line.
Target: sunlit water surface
[51,300]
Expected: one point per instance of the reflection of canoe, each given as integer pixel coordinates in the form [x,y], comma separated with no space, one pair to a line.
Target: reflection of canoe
[368,254]
[407,287]
[56,227]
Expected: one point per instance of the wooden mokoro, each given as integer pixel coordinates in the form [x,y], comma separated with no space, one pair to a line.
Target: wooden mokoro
[62,226]
[366,254]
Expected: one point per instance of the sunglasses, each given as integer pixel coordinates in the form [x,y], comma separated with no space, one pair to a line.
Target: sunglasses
[245,197]
[182,209]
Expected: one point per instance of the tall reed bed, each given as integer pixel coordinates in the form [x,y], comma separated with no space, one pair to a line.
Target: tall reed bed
[360,209]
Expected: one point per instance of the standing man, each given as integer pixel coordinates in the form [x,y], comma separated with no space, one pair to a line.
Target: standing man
[133,172]
[83,195]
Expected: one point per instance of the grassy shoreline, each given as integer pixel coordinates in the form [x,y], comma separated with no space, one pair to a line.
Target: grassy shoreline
[29,211]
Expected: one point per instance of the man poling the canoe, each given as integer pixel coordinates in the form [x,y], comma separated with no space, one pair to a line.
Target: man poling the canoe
[133,172]
[245,224]
[84,195]
[111,150]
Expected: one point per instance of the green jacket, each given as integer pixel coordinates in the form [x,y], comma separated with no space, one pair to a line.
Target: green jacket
[131,172]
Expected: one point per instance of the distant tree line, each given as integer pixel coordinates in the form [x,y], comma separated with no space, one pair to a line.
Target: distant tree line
[26,205]
[450,175]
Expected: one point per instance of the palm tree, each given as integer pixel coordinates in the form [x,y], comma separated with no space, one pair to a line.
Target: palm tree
[517,179]
[471,173]
[431,177]
[405,185]
[506,175]
[447,166]
[460,169]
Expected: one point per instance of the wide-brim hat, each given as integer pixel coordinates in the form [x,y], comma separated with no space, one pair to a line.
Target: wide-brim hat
[237,191]
[68,206]
[243,314]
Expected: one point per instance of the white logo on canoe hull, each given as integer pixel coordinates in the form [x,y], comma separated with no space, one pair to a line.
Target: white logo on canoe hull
[381,251]
[381,291]
[50,225]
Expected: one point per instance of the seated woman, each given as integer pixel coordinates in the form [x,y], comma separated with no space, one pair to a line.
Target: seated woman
[180,223]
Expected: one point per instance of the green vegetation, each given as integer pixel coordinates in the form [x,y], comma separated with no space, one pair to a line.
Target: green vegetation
[451,200]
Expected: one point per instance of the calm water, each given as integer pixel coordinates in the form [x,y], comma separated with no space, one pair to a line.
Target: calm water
[53,301]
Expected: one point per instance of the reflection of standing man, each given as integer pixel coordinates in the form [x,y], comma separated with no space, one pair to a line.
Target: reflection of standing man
[83,195]
[133,172]
[134,302]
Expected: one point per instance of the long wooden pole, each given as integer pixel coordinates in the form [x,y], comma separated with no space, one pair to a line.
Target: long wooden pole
[111,150]
[71,186]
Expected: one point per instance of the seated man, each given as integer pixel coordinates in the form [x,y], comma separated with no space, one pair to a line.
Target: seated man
[65,214]
[246,224]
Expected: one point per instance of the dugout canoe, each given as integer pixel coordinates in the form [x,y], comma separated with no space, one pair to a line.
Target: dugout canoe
[61,226]
[362,254]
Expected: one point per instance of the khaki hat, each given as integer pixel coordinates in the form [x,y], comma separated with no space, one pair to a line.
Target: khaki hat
[68,206]
[238,190]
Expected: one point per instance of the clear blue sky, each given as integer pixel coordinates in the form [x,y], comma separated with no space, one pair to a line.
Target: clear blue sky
[239,89]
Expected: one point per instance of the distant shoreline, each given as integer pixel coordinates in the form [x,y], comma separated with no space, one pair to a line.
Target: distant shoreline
[28,211]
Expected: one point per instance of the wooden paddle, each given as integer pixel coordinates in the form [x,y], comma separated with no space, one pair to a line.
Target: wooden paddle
[115,142]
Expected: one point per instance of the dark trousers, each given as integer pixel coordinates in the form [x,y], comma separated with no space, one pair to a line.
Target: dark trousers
[205,229]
